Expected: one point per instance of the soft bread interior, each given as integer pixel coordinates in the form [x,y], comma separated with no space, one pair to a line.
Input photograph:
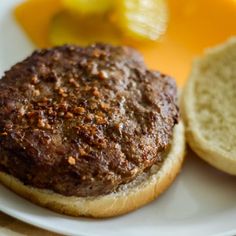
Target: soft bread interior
[139,192]
[208,107]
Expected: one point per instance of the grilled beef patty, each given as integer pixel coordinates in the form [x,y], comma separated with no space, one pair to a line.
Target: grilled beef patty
[83,121]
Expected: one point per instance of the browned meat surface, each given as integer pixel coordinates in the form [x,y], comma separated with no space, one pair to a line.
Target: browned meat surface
[82,121]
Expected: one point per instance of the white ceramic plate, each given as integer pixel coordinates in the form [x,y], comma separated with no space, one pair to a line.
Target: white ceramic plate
[200,202]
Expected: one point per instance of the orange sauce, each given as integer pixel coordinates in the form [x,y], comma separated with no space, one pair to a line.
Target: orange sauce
[193,26]
[34,16]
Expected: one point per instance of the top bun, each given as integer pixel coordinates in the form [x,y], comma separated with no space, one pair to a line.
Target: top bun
[208,107]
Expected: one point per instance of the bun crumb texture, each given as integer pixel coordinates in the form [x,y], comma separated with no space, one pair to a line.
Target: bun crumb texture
[208,107]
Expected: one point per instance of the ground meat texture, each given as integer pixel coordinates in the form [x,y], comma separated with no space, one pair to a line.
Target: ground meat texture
[83,121]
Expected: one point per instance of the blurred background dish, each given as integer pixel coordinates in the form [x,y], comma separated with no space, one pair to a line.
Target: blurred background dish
[169,34]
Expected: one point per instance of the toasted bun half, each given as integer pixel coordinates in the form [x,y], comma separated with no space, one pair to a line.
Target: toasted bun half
[129,197]
[208,107]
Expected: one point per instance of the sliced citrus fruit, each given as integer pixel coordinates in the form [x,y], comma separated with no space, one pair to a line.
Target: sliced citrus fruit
[142,19]
[82,30]
[86,7]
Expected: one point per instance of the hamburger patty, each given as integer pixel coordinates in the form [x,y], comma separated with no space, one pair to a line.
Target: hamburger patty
[83,121]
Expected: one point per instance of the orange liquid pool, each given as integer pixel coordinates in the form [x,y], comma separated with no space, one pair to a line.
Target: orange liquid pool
[193,26]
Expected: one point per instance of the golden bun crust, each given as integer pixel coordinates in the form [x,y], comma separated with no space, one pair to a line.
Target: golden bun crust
[128,198]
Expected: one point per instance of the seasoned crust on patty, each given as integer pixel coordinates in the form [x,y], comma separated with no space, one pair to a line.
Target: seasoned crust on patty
[82,121]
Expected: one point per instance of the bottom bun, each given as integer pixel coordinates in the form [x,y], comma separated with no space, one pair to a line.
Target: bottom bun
[128,197]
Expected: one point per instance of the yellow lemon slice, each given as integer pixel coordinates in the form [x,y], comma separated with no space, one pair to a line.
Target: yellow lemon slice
[87,7]
[82,30]
[84,22]
[142,19]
